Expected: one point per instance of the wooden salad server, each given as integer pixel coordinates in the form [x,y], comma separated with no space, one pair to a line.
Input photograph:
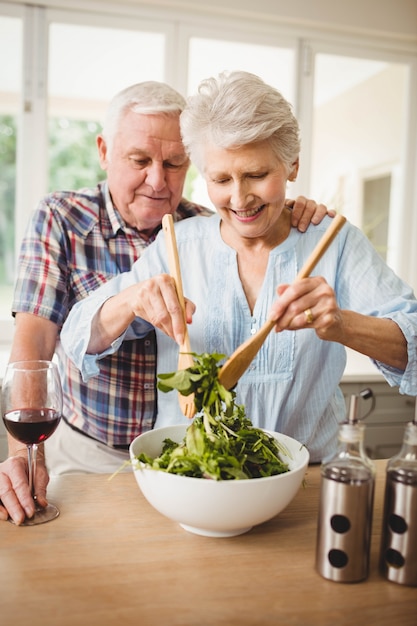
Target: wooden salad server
[239,361]
[185,358]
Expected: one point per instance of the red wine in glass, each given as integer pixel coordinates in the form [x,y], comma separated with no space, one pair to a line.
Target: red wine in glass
[31,402]
[31,425]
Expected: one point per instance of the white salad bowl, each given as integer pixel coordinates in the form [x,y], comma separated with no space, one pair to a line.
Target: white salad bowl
[216,508]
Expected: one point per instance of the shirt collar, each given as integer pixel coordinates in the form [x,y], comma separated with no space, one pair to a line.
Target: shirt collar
[115,222]
[114,219]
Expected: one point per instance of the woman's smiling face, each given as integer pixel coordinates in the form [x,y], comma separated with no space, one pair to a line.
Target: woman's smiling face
[247,185]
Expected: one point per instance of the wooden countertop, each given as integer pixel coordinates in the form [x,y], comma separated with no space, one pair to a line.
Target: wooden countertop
[111,559]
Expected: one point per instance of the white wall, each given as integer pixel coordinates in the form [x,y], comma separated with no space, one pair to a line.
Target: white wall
[391,19]
[380,148]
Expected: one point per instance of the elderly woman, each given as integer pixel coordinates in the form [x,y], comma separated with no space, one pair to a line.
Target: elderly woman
[238,269]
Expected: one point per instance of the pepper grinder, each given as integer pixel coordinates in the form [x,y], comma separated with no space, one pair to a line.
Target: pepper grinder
[398,559]
[346,503]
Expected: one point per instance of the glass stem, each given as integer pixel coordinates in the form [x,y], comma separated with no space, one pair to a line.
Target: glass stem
[32,454]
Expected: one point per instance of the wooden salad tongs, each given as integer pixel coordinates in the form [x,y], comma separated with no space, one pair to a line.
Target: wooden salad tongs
[239,361]
[185,358]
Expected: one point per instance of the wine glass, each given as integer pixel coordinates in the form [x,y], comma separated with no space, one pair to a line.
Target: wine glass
[31,405]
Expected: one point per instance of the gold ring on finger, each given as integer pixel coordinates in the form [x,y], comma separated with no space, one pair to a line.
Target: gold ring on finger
[309,316]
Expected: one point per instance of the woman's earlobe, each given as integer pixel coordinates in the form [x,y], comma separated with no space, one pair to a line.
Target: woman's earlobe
[294,171]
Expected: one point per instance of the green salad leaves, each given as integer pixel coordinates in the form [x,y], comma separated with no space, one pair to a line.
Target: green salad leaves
[221,443]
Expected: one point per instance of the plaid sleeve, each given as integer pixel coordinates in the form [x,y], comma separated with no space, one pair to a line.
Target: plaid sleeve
[41,284]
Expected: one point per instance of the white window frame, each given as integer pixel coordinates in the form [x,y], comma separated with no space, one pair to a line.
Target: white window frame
[6,324]
[34,117]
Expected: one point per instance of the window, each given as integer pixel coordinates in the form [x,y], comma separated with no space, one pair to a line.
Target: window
[81,81]
[359,128]
[209,57]
[63,96]
[376,196]
[10,85]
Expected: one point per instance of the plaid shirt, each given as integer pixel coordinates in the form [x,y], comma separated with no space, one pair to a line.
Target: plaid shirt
[75,242]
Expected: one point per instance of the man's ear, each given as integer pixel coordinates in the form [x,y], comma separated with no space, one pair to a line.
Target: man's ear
[102,151]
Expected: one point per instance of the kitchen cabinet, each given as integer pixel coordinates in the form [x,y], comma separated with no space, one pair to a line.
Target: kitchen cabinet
[385,425]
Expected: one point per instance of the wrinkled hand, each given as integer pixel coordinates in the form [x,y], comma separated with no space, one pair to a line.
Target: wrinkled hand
[305,211]
[15,498]
[308,303]
[156,301]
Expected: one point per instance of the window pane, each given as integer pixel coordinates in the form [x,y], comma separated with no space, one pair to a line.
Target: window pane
[358,135]
[209,57]
[82,80]
[376,198]
[10,81]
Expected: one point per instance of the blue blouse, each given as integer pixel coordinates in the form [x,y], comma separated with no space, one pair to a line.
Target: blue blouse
[292,385]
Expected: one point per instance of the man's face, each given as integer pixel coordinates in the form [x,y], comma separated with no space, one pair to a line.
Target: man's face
[146,168]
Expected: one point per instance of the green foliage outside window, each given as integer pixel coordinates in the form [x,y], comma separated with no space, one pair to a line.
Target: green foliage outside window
[7,195]
[73,157]
[73,163]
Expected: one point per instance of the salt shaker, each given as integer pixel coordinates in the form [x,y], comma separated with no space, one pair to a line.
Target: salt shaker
[398,559]
[346,504]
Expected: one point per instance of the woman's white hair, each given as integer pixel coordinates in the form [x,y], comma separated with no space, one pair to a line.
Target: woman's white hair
[147,98]
[236,109]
